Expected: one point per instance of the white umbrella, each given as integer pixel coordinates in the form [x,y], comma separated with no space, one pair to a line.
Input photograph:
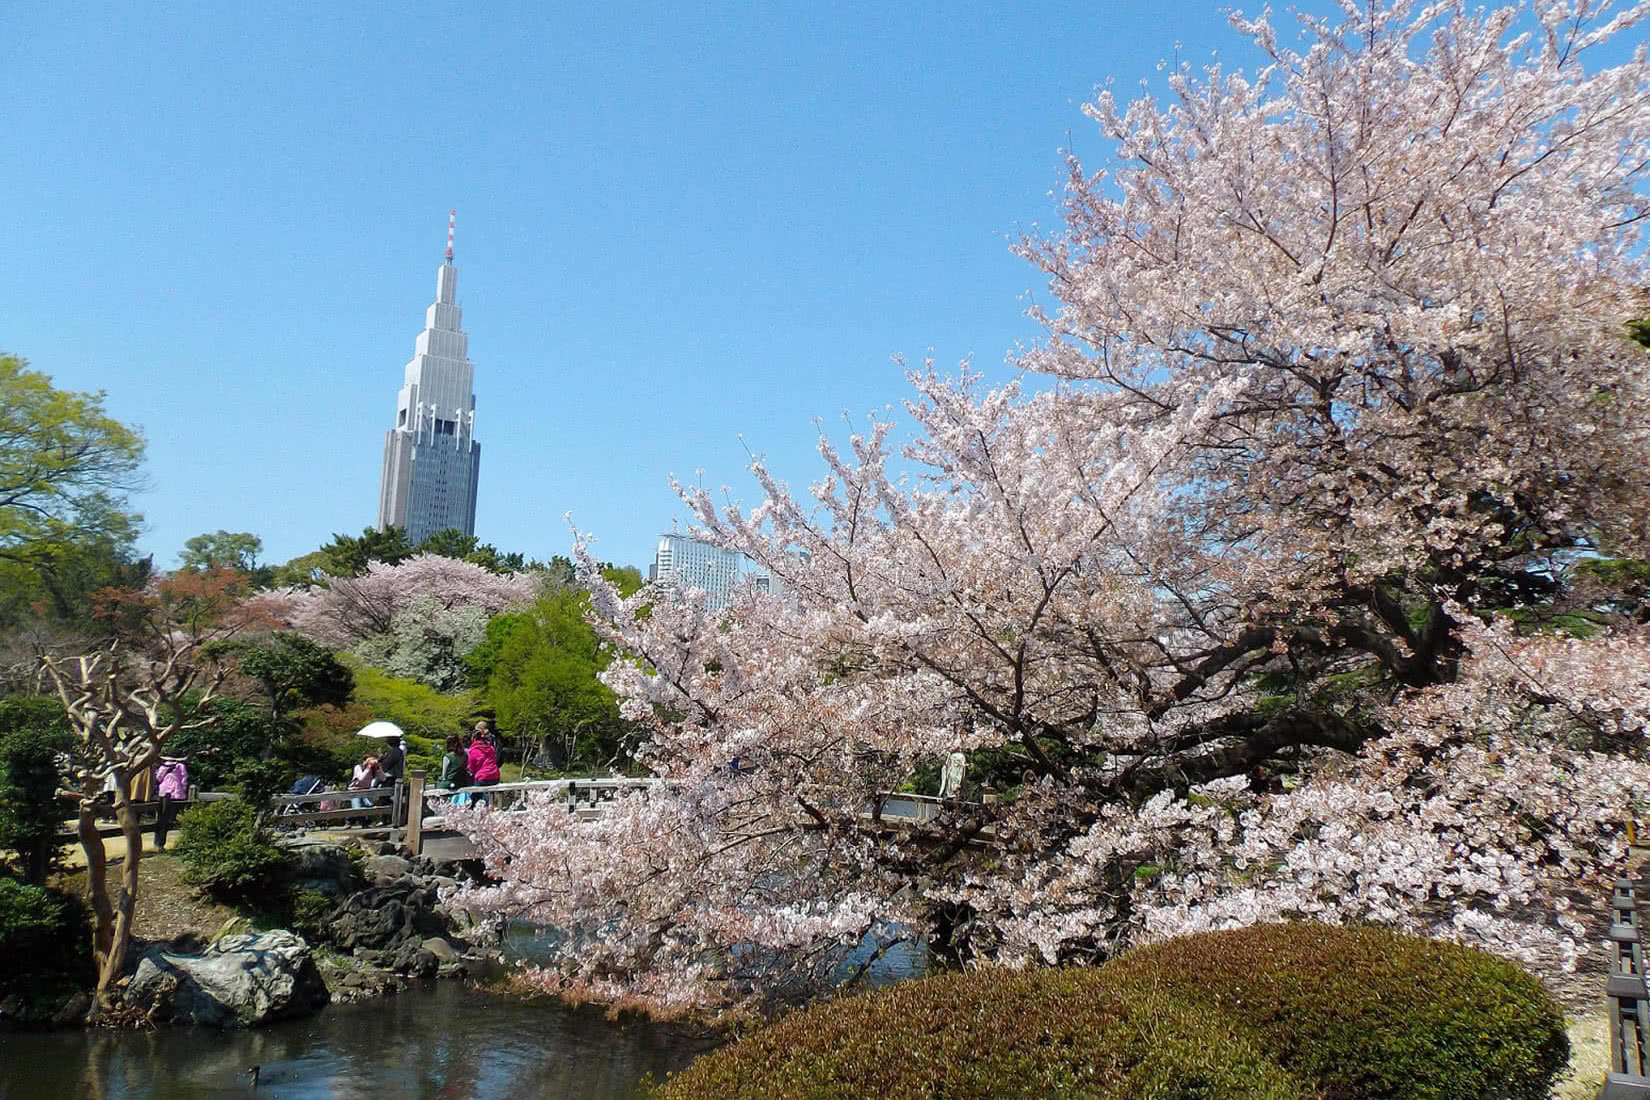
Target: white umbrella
[379,729]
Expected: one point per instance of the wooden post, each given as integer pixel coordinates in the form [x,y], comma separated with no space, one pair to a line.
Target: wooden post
[415,813]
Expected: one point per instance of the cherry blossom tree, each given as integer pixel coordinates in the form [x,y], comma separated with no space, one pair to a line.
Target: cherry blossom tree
[349,610]
[1340,392]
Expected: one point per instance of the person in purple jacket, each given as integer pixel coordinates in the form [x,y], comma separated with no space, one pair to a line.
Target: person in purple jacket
[172,783]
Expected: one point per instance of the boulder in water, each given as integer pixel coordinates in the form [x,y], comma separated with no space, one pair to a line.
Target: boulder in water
[237,982]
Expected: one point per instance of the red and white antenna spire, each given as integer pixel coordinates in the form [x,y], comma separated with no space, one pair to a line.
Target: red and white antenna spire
[452,216]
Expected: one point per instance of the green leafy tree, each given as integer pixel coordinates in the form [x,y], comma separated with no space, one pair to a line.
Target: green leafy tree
[54,588]
[34,734]
[349,557]
[450,542]
[302,571]
[65,467]
[293,672]
[542,670]
[237,550]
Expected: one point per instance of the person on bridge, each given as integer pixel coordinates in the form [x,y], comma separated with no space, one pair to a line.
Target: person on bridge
[483,760]
[364,778]
[455,766]
[392,761]
[172,782]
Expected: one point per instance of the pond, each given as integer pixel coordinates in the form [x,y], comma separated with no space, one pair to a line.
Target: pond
[442,1040]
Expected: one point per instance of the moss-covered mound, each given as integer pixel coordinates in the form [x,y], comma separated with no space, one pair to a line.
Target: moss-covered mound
[1285,1011]
[993,1033]
[1369,1013]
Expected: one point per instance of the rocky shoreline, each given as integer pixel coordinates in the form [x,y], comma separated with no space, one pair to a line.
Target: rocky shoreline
[384,932]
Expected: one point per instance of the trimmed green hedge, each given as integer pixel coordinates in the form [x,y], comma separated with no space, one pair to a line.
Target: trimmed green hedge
[1276,1011]
[1370,1013]
[992,1033]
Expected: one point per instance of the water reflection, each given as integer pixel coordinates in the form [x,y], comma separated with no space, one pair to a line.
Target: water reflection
[442,1042]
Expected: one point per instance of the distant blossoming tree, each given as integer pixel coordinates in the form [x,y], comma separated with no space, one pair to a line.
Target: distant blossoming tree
[1341,394]
[349,610]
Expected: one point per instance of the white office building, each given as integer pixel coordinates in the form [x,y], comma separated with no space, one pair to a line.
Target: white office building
[431,457]
[690,563]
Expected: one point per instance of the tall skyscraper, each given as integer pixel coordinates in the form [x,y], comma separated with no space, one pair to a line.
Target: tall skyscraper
[431,458]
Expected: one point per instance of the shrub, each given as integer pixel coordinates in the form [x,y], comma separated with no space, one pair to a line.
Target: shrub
[42,932]
[991,1033]
[1368,1012]
[30,809]
[309,911]
[230,856]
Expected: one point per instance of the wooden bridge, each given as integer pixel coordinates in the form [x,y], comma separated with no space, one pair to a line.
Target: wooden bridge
[427,833]
[411,812]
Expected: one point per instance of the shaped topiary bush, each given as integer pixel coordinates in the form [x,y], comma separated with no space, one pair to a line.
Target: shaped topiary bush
[1369,1013]
[1274,1011]
[1077,1034]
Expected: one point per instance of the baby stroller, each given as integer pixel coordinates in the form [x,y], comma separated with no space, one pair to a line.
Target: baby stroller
[307,784]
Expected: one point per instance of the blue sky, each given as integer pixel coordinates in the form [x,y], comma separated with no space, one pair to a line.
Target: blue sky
[677,225]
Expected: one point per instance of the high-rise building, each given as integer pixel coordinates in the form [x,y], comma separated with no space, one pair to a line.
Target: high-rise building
[431,458]
[691,563]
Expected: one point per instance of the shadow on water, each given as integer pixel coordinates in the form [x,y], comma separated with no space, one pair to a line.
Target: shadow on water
[439,1042]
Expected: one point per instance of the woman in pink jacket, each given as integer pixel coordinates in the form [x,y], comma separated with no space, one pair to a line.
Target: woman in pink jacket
[172,780]
[483,763]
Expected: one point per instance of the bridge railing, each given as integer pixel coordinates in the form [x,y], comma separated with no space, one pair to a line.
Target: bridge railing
[427,805]
[1627,995]
[383,805]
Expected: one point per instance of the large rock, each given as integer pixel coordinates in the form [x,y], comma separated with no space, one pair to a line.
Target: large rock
[384,917]
[383,870]
[239,981]
[322,865]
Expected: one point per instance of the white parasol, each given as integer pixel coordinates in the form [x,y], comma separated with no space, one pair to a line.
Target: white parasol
[379,729]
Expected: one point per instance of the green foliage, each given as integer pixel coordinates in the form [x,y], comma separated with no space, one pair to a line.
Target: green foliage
[302,571]
[64,466]
[1078,1034]
[257,781]
[294,672]
[307,912]
[42,932]
[241,732]
[33,733]
[450,542]
[419,710]
[58,582]
[237,550]
[231,856]
[1368,1012]
[541,668]
[345,556]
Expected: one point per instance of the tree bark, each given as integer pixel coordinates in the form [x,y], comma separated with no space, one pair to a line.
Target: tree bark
[110,968]
[97,888]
